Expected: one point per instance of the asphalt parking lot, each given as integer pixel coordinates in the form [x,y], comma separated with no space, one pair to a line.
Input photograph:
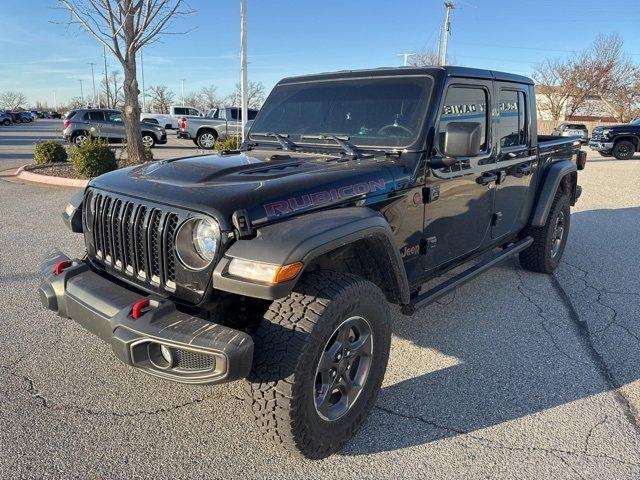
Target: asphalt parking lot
[516,375]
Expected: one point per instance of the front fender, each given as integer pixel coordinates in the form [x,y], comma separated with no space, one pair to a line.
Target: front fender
[304,238]
[551,182]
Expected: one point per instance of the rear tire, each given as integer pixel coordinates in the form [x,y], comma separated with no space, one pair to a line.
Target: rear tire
[623,150]
[206,139]
[319,360]
[79,138]
[549,241]
[6,122]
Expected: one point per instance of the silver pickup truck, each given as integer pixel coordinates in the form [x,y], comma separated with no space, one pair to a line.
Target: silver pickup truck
[219,123]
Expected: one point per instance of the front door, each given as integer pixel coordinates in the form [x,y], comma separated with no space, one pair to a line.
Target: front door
[457,222]
[516,160]
[115,125]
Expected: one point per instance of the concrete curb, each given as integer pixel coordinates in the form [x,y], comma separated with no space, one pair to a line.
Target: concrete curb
[23,174]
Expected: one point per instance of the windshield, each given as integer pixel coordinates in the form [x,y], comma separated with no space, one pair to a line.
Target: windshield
[636,122]
[376,112]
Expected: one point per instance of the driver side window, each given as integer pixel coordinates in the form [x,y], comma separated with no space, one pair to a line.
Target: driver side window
[464,104]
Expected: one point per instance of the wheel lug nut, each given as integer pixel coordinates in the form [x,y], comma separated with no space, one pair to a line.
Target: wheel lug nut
[333,373]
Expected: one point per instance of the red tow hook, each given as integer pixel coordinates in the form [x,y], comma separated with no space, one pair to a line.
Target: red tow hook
[60,267]
[138,307]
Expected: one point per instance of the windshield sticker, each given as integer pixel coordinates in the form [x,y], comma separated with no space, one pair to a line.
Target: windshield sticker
[322,197]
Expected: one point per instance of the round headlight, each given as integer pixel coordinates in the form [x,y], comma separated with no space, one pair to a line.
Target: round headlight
[197,242]
[206,237]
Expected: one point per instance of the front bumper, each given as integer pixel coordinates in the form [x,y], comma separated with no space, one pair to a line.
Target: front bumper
[200,352]
[162,140]
[601,146]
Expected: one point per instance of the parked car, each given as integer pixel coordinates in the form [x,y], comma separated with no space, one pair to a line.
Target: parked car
[171,119]
[15,117]
[53,115]
[34,114]
[620,141]
[572,130]
[218,124]
[277,263]
[106,124]
[25,117]
[5,119]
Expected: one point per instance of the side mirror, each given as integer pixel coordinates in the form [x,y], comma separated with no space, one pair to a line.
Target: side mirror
[461,139]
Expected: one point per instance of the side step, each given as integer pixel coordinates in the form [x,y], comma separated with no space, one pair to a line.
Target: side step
[447,286]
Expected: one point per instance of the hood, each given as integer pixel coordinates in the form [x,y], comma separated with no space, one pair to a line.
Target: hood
[620,126]
[266,184]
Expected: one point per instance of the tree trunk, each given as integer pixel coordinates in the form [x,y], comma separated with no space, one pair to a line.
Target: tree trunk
[133,134]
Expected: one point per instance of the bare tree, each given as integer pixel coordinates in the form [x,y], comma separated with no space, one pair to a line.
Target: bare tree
[209,97]
[124,27]
[425,58]
[74,103]
[12,100]
[255,95]
[112,90]
[192,99]
[161,98]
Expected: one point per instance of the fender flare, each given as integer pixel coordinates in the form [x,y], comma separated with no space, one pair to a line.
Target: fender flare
[304,238]
[551,181]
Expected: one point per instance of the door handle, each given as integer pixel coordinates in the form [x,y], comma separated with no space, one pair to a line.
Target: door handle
[524,169]
[487,178]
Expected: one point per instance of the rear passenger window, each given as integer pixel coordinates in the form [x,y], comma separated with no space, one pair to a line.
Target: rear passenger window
[512,128]
[180,111]
[464,104]
[95,116]
[194,112]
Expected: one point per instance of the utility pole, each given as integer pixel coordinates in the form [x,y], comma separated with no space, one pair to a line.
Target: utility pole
[444,39]
[406,58]
[182,86]
[81,93]
[93,77]
[244,83]
[144,104]
[106,77]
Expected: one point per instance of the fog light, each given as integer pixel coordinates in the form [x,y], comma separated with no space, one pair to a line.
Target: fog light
[166,353]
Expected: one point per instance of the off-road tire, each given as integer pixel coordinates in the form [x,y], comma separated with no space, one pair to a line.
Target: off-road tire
[288,345]
[623,150]
[538,257]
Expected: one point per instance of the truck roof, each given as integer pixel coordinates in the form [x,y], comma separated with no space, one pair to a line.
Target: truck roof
[449,71]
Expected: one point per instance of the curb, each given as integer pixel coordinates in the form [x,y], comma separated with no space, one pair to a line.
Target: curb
[23,174]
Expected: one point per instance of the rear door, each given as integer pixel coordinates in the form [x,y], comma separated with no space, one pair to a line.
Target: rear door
[457,218]
[516,159]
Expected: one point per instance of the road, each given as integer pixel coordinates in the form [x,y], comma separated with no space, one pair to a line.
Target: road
[516,375]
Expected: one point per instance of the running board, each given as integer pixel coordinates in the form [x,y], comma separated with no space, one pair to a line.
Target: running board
[447,286]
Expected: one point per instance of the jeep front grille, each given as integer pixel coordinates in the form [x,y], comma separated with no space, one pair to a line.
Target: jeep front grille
[133,238]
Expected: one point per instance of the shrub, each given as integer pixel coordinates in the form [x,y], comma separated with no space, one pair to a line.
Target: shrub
[49,152]
[93,158]
[148,155]
[229,143]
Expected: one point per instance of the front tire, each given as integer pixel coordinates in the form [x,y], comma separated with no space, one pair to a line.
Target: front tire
[148,140]
[549,241]
[6,122]
[623,150]
[320,357]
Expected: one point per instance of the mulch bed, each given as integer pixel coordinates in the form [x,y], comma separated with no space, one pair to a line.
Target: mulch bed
[64,169]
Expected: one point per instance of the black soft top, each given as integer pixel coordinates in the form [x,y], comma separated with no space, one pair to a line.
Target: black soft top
[449,71]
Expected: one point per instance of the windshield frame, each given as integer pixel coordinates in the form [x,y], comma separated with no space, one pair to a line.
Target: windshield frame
[301,142]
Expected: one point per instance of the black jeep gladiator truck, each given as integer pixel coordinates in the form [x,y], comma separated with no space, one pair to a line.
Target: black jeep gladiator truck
[619,141]
[276,263]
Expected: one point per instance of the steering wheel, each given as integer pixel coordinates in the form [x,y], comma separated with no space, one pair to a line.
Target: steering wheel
[381,130]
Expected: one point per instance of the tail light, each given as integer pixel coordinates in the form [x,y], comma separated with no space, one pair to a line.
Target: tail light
[66,123]
[581,161]
[183,123]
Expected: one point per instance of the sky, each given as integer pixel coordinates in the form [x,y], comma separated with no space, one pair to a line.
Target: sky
[40,53]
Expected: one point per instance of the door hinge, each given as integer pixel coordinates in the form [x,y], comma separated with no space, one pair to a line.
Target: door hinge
[430,194]
[242,222]
[428,244]
[496,218]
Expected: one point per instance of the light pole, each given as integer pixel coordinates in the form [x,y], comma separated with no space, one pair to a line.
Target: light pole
[81,93]
[244,83]
[182,87]
[55,103]
[444,39]
[406,58]
[93,77]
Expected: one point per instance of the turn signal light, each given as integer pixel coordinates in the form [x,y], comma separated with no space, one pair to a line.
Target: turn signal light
[60,267]
[138,307]
[263,272]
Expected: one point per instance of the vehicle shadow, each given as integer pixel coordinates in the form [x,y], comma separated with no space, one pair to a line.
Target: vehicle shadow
[501,348]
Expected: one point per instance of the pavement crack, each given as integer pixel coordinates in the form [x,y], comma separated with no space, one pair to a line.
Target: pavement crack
[490,443]
[583,331]
[590,433]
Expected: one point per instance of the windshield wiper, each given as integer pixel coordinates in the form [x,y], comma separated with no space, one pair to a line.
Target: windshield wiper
[347,147]
[282,139]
